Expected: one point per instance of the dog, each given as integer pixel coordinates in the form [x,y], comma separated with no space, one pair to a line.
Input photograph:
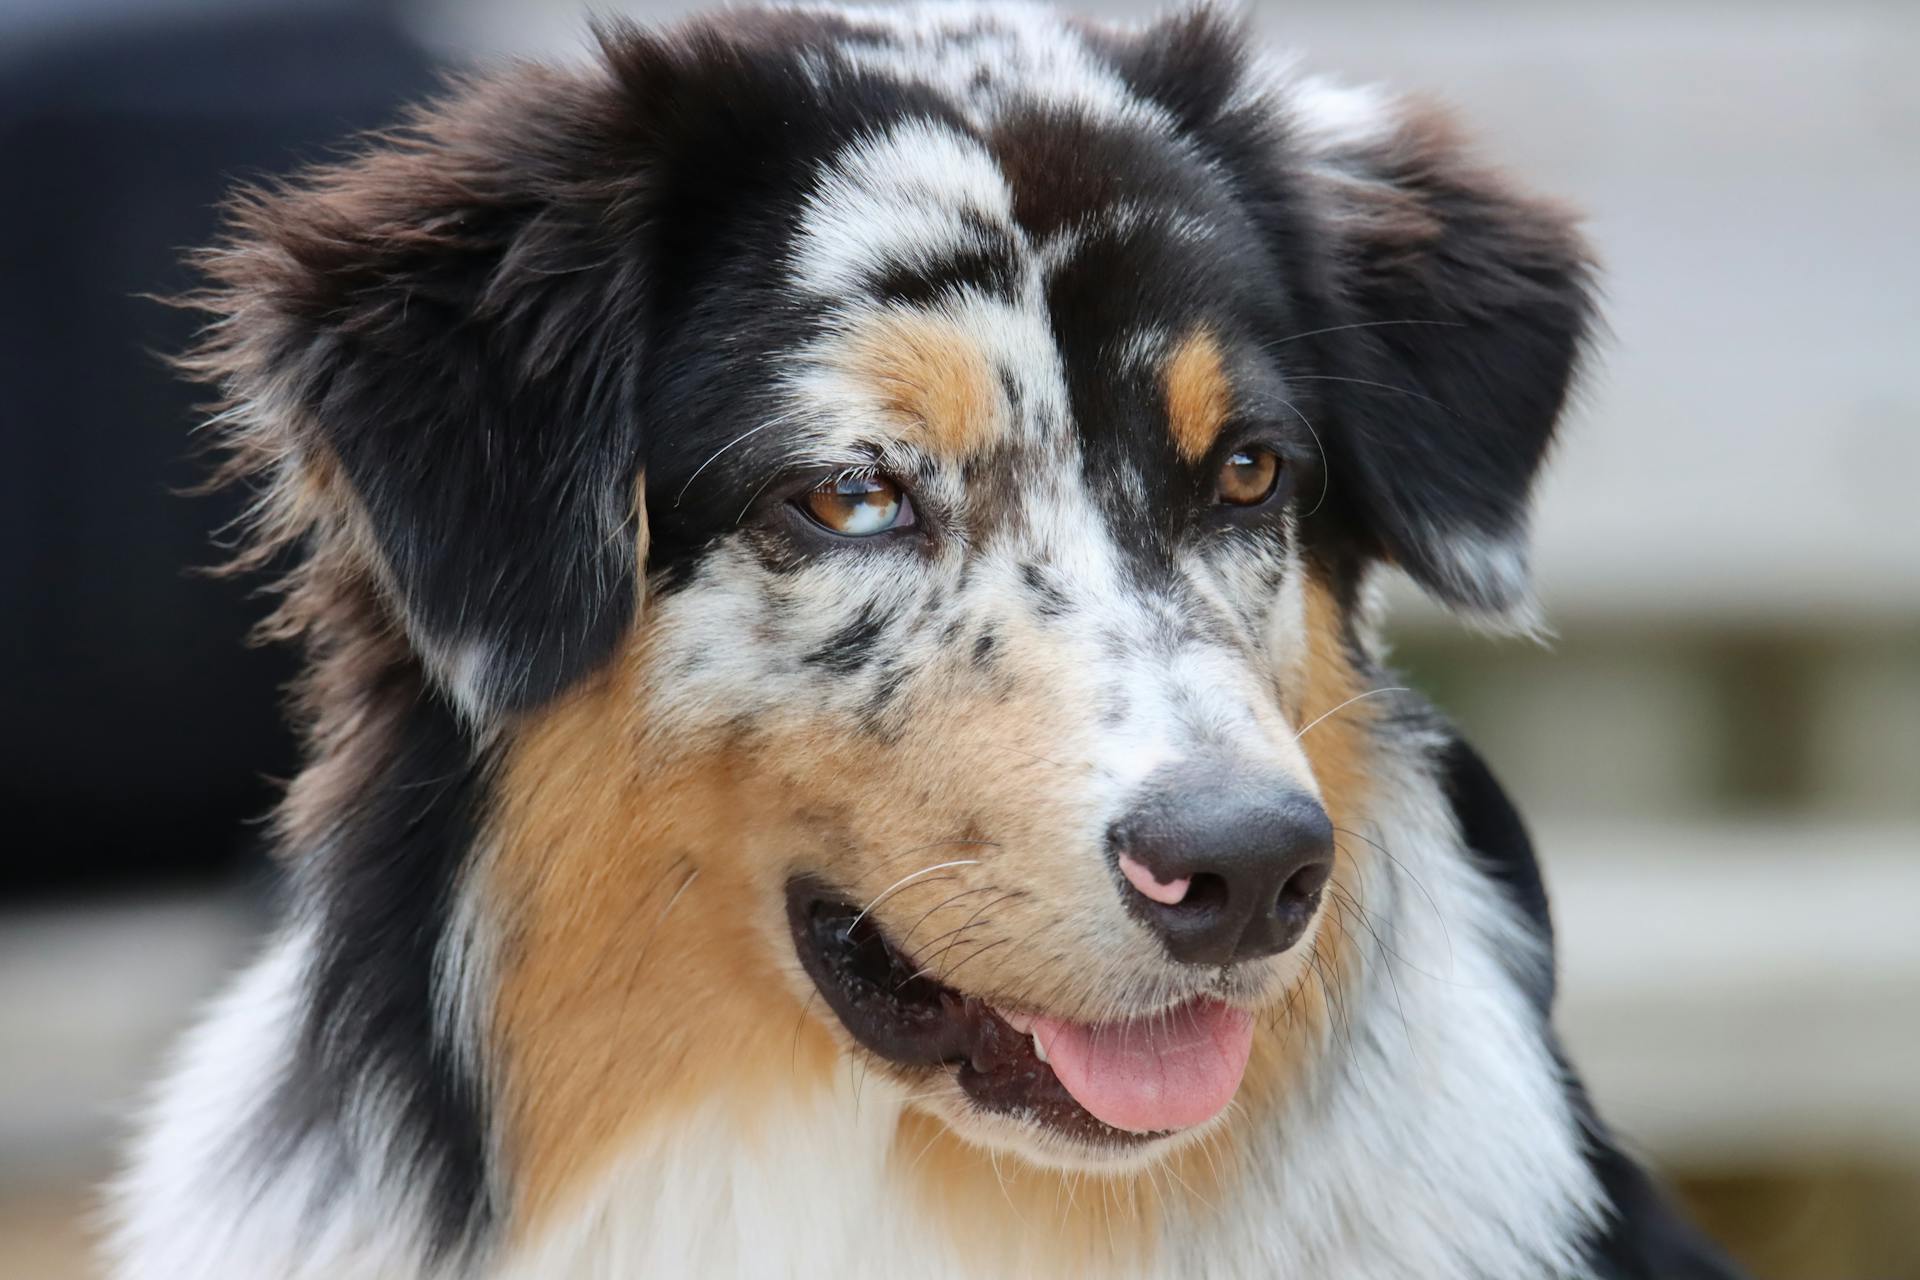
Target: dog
[838,554]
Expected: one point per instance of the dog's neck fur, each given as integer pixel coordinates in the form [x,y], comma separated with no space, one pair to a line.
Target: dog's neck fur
[1432,1136]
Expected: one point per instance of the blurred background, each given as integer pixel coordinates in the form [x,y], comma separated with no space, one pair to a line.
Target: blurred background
[1720,752]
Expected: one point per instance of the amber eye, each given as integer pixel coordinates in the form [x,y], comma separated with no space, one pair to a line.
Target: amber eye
[1249,477]
[858,506]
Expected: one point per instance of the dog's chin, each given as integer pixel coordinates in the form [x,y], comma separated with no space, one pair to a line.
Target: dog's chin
[1067,1095]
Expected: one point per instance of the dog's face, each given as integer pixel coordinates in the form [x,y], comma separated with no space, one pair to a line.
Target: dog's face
[889,499]
[984,564]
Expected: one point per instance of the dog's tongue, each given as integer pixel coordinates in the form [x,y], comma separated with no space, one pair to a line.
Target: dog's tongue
[1168,1072]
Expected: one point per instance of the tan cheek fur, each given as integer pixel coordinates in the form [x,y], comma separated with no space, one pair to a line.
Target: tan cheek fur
[625,928]
[640,883]
[642,972]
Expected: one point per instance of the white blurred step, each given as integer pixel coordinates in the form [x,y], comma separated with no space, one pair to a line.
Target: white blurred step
[1744,992]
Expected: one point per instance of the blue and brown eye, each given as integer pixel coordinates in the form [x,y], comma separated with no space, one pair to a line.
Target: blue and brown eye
[858,506]
[1248,477]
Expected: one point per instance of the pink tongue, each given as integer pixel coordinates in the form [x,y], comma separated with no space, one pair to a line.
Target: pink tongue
[1172,1071]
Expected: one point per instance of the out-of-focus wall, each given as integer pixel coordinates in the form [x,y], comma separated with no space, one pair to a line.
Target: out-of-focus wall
[1720,752]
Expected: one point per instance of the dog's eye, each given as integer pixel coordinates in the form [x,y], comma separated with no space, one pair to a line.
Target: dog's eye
[1248,477]
[858,506]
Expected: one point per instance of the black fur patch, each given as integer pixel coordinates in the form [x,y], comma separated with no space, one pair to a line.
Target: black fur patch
[379,881]
[1492,828]
[851,648]
[990,271]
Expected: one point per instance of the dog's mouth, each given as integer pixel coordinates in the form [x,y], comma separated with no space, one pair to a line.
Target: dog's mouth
[1112,1084]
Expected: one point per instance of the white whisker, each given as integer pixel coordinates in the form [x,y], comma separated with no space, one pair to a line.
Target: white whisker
[1349,702]
[1364,324]
[905,880]
[770,422]
[1326,469]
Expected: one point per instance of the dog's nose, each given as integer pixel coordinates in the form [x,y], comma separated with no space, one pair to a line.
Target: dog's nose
[1224,866]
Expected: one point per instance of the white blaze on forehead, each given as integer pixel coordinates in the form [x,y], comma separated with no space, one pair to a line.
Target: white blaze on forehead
[915,195]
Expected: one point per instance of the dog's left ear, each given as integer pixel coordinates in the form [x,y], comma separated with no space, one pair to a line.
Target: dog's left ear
[1448,311]
[1458,313]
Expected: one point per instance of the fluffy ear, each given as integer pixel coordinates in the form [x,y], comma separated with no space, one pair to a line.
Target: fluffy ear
[1459,313]
[429,355]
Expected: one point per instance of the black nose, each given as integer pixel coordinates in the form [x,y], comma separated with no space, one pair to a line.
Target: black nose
[1254,851]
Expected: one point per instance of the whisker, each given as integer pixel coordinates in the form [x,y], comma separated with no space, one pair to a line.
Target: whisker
[1379,386]
[1032,756]
[891,858]
[958,935]
[905,880]
[1168,1166]
[799,1024]
[1362,324]
[774,421]
[946,979]
[1335,1007]
[1326,469]
[1207,1144]
[1344,894]
[1358,697]
[754,497]
[1045,960]
[962,930]
[1405,871]
[1406,1030]
[944,904]
[993,1157]
[1106,1190]
[860,1082]
[928,1146]
[1153,1185]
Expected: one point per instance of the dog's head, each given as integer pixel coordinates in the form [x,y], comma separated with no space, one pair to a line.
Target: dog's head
[887,500]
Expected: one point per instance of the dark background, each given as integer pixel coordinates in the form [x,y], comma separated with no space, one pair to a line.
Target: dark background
[137,734]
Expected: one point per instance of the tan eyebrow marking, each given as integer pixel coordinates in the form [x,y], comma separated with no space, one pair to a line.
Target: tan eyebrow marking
[1199,398]
[929,370]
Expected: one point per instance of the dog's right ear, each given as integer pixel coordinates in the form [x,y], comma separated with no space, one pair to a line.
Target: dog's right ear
[429,356]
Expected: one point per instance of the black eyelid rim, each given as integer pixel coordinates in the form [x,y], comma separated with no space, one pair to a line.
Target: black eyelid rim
[780,500]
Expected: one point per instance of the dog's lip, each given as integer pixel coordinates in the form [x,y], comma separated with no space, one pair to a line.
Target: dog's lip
[894,1010]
